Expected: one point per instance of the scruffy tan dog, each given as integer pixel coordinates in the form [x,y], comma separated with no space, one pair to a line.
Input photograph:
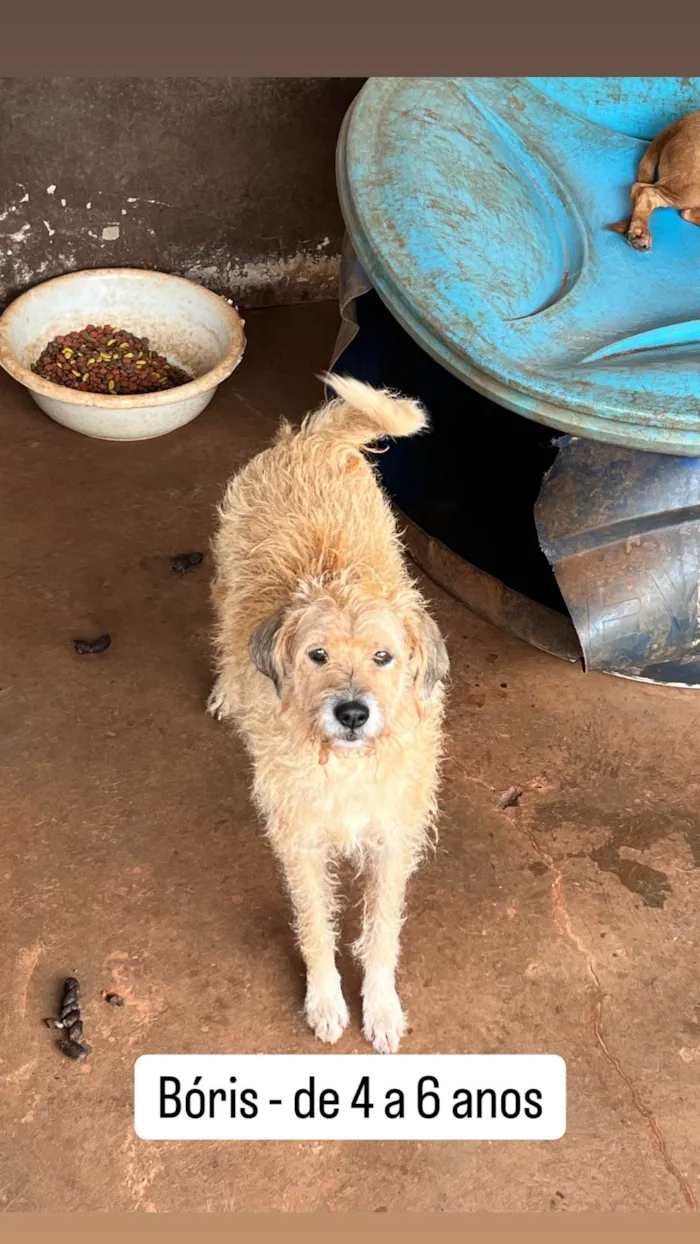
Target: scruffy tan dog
[675,152]
[332,669]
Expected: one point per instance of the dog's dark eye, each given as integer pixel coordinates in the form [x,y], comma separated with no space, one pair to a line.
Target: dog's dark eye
[382,658]
[319,656]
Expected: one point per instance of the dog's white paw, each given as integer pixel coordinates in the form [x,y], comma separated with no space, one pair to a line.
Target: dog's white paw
[217,703]
[384,1023]
[327,1014]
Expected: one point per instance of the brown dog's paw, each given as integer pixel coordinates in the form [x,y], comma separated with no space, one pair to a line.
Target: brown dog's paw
[639,238]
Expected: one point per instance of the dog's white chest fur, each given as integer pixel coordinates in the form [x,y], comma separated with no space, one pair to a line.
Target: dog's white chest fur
[352,832]
[352,814]
[368,805]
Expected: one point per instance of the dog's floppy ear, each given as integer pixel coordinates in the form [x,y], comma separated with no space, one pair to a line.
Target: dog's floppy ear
[431,662]
[264,648]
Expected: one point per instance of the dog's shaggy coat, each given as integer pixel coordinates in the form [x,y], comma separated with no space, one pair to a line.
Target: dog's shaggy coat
[333,671]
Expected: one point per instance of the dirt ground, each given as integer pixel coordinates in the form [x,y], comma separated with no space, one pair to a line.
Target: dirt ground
[568,924]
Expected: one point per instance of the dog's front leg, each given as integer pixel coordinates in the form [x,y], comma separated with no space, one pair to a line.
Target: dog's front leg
[389,868]
[312,891]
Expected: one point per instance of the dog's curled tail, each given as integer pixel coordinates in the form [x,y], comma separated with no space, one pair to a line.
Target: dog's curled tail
[364,414]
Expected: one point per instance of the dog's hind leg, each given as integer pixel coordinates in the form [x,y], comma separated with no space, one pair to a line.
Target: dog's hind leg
[646,199]
[389,868]
[312,891]
[649,163]
[692,214]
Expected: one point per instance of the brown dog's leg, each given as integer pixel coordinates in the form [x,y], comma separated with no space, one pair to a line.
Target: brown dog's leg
[384,1022]
[313,898]
[646,172]
[692,214]
[645,200]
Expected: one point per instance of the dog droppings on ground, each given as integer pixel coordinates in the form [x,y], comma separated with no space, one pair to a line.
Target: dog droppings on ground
[186,561]
[510,798]
[69,1020]
[91,647]
[113,999]
[73,1049]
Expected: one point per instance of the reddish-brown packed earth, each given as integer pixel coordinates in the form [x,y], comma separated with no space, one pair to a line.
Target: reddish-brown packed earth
[132,858]
[107,360]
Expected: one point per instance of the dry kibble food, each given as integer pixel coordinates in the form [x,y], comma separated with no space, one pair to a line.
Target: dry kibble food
[103,359]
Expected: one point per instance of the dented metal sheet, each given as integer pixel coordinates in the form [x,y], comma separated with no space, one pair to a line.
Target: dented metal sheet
[479,209]
[621,530]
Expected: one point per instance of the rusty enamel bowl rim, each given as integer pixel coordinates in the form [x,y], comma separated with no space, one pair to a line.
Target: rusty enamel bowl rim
[75,397]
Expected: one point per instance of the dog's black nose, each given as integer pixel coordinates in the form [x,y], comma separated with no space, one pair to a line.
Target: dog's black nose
[352,714]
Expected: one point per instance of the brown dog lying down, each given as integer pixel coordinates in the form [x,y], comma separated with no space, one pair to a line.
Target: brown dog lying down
[675,153]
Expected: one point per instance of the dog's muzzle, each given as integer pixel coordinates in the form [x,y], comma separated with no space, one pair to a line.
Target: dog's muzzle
[350,717]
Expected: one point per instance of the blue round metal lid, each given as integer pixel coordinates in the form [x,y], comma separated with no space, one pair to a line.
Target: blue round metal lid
[480,209]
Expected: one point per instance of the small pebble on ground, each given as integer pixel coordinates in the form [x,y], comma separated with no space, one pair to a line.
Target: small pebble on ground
[510,797]
[183,562]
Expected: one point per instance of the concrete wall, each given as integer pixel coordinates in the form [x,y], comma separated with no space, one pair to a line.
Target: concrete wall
[229,181]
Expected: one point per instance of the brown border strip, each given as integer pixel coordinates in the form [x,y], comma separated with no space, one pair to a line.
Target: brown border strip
[321,40]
